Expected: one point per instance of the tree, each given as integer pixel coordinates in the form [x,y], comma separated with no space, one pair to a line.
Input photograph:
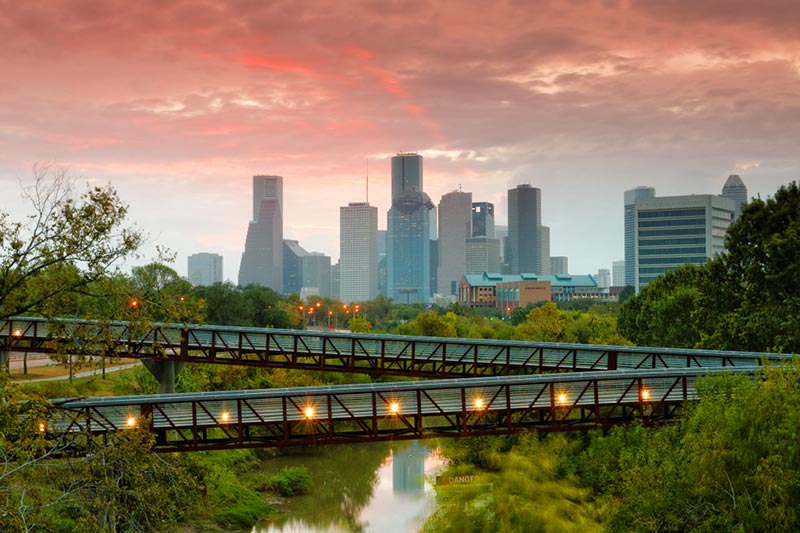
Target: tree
[67,242]
[745,299]
[755,301]
[545,323]
[664,313]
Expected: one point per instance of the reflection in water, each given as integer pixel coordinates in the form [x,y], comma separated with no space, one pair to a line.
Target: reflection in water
[393,496]
[408,468]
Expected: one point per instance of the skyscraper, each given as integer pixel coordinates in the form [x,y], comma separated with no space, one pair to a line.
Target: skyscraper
[483,219]
[675,230]
[316,275]
[358,252]
[524,221]
[630,230]
[559,265]
[618,273]
[544,253]
[262,259]
[204,268]
[735,189]
[293,255]
[455,227]
[408,253]
[483,255]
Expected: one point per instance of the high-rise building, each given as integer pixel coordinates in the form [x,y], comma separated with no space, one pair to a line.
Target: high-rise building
[293,255]
[358,252]
[317,275]
[559,265]
[603,278]
[406,174]
[735,189]
[501,233]
[544,253]
[483,255]
[204,269]
[618,273]
[630,230]
[524,221]
[455,227]
[262,259]
[408,248]
[675,230]
[483,219]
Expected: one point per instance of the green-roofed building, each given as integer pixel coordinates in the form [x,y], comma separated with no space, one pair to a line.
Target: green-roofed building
[509,291]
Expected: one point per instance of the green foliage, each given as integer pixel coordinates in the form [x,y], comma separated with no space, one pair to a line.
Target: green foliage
[745,299]
[663,313]
[545,323]
[359,325]
[522,492]
[291,481]
[429,324]
[66,244]
[731,463]
[230,503]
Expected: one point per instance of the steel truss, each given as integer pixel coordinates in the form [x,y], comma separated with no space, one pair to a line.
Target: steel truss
[428,357]
[378,412]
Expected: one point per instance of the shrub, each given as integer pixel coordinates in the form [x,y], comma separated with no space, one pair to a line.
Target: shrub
[291,481]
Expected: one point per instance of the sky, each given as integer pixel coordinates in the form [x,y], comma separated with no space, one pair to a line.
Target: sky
[178,104]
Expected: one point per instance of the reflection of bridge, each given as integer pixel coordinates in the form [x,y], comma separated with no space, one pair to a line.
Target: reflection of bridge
[591,387]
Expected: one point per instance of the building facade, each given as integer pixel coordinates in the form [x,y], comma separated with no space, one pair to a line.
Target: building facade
[293,255]
[544,250]
[630,230]
[358,252]
[736,190]
[455,227]
[483,255]
[317,275]
[676,230]
[508,292]
[524,221]
[483,219]
[559,264]
[204,269]
[262,259]
[618,273]
[408,247]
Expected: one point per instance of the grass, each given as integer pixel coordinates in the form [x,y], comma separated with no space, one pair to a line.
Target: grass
[57,370]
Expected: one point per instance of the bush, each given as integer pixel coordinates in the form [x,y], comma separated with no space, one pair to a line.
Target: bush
[291,481]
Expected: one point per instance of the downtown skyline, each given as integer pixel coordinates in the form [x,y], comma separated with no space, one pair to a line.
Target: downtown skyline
[179,106]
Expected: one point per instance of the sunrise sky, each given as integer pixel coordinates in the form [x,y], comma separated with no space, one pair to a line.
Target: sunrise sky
[179,103]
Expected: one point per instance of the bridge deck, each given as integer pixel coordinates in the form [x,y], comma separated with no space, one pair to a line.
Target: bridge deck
[385,411]
[348,352]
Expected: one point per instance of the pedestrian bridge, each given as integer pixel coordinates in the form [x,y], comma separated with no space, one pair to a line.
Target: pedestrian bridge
[486,387]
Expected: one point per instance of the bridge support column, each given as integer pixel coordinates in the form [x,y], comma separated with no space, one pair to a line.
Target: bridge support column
[166,372]
[4,357]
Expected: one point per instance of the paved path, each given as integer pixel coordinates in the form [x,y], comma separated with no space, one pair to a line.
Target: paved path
[34,360]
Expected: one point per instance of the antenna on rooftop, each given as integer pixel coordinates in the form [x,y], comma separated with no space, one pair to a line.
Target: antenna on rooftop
[368,180]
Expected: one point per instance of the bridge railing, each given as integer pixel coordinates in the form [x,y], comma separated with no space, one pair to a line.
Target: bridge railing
[385,411]
[349,352]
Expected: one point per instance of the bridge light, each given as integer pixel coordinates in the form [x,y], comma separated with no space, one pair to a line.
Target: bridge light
[645,394]
[134,303]
[478,403]
[131,422]
[394,408]
[42,427]
[562,398]
[225,416]
[309,412]
[17,333]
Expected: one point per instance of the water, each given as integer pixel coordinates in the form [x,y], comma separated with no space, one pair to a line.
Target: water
[363,488]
